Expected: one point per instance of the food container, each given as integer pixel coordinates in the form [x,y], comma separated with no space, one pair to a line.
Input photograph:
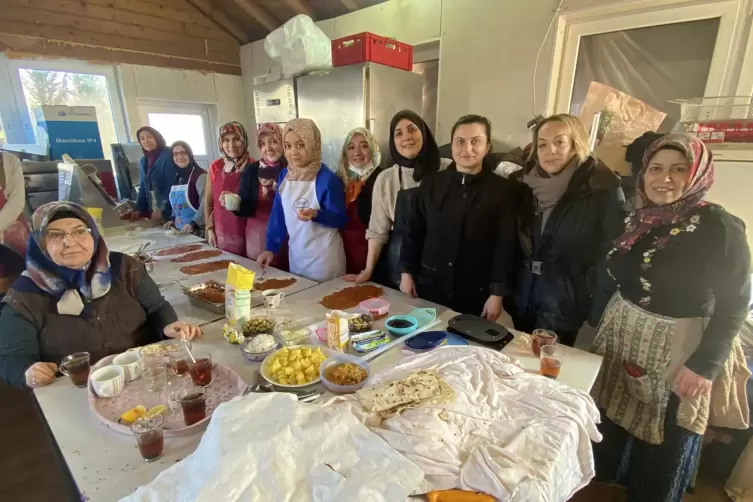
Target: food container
[371,340]
[259,324]
[377,307]
[258,356]
[321,334]
[337,330]
[294,334]
[343,359]
[360,323]
[209,295]
[410,322]
[367,46]
[426,341]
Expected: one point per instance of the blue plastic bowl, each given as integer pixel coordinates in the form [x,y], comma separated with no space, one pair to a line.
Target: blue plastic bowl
[427,340]
[401,331]
[340,359]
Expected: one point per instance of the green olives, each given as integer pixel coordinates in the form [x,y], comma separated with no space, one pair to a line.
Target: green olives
[259,324]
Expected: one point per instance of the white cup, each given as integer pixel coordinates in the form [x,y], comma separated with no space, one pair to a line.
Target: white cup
[131,363]
[108,381]
[272,298]
[232,201]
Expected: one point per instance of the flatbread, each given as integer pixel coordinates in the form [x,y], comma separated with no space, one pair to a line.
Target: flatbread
[420,388]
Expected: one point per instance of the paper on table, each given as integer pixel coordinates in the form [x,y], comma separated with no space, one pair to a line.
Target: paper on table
[269,447]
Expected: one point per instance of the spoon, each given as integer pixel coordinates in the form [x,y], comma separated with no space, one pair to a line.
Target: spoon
[185,344]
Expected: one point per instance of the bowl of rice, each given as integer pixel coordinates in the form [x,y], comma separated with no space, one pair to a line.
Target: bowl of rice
[256,348]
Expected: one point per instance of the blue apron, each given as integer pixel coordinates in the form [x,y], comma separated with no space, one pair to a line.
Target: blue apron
[183,211]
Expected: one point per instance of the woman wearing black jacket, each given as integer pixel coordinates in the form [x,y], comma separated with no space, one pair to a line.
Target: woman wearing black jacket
[568,213]
[460,250]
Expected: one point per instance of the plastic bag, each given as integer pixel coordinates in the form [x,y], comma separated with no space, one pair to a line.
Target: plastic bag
[299,46]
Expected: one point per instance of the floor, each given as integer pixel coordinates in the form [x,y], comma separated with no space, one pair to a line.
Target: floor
[595,492]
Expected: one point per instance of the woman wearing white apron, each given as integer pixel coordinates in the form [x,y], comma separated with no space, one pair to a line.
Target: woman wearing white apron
[309,208]
[186,194]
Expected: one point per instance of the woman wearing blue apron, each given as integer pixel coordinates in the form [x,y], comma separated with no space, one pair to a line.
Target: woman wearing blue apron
[309,208]
[186,193]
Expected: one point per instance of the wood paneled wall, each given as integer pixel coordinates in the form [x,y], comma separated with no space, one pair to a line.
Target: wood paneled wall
[165,33]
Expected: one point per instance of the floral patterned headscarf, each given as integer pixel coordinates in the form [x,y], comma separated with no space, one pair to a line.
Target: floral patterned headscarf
[69,286]
[652,215]
[238,129]
[308,132]
[343,169]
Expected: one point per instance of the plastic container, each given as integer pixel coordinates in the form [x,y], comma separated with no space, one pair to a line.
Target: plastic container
[377,307]
[293,334]
[258,324]
[321,334]
[340,359]
[401,331]
[426,341]
[360,323]
[258,356]
[366,46]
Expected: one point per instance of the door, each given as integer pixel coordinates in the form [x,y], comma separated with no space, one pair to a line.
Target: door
[185,123]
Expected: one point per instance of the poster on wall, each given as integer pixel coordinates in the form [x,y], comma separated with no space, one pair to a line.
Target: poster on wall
[71,130]
[623,119]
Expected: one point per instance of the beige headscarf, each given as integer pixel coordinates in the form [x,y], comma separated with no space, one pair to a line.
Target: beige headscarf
[343,169]
[312,139]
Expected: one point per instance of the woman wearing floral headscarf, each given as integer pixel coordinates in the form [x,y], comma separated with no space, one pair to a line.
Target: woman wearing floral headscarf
[359,167]
[682,269]
[309,208]
[257,191]
[225,230]
[77,296]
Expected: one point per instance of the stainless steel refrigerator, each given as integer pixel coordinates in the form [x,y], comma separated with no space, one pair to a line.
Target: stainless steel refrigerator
[362,95]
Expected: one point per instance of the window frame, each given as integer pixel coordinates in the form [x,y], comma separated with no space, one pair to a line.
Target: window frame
[745,83]
[640,14]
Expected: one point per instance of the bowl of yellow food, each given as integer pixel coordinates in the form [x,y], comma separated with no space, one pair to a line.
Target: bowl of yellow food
[296,366]
[343,373]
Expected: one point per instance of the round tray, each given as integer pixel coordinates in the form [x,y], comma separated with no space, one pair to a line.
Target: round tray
[226,384]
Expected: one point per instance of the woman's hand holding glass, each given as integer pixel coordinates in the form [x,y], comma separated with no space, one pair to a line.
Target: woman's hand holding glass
[40,374]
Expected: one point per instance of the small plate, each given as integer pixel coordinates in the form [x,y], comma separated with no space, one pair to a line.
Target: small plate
[424,316]
[427,340]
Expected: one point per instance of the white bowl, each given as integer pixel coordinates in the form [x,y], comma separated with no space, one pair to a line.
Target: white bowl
[108,381]
[269,378]
[131,363]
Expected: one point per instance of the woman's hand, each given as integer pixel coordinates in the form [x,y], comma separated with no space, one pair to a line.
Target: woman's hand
[222,197]
[40,374]
[307,214]
[170,224]
[265,259]
[408,285]
[157,217]
[211,237]
[187,228]
[492,308]
[689,384]
[182,330]
[364,276]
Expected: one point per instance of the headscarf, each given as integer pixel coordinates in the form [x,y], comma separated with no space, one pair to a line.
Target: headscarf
[184,173]
[151,157]
[67,285]
[312,139]
[650,215]
[427,161]
[240,162]
[269,170]
[345,171]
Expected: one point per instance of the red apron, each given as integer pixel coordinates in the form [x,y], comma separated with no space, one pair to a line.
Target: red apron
[16,238]
[229,228]
[354,234]
[257,230]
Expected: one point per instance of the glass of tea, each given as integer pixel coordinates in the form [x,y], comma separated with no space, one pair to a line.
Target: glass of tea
[76,366]
[179,362]
[551,360]
[201,370]
[148,433]
[193,402]
[541,337]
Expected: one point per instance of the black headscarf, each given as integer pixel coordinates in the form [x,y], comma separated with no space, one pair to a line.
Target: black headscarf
[157,137]
[182,175]
[427,160]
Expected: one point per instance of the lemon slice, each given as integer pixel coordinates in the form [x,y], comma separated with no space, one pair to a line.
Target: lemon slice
[157,410]
[132,415]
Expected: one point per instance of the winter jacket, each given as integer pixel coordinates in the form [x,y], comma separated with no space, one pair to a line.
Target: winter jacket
[558,269]
[160,180]
[462,243]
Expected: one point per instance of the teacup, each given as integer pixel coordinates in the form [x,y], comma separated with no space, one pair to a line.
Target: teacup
[232,201]
[108,381]
[272,298]
[131,363]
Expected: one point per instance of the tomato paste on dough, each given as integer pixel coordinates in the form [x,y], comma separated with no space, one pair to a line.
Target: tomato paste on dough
[350,297]
[275,283]
[197,255]
[186,248]
[204,268]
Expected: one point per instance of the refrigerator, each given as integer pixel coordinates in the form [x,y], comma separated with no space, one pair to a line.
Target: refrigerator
[340,99]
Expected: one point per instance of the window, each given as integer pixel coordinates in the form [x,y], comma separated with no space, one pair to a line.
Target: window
[3,138]
[181,122]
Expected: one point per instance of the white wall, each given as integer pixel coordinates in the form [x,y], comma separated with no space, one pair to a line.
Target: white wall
[732,182]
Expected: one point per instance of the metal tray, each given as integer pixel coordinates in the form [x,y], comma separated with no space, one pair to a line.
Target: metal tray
[195,299]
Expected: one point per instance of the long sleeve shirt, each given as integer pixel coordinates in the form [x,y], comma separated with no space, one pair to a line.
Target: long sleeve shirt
[14,188]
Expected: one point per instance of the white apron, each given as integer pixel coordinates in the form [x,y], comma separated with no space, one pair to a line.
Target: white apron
[316,251]
[183,211]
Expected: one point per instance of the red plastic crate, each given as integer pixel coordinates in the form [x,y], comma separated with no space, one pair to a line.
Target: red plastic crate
[723,131]
[367,46]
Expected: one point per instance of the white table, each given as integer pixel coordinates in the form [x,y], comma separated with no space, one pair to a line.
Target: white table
[107,466]
[130,237]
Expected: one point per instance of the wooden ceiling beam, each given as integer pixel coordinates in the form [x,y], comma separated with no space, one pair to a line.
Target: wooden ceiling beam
[211,12]
[300,7]
[351,5]
[258,14]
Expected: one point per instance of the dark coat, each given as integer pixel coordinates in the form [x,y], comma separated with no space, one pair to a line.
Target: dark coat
[160,180]
[576,238]
[462,245]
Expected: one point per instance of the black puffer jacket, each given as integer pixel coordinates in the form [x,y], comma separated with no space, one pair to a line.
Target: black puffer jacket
[557,276]
[462,242]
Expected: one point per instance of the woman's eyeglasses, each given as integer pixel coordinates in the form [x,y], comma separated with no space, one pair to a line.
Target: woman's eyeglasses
[180,154]
[58,237]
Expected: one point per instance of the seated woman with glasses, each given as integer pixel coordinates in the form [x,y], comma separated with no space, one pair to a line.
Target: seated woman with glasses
[76,296]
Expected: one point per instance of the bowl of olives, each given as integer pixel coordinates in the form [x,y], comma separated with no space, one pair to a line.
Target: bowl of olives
[259,324]
[359,323]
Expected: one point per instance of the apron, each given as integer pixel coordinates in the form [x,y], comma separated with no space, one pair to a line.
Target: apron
[15,238]
[354,238]
[316,251]
[391,259]
[183,211]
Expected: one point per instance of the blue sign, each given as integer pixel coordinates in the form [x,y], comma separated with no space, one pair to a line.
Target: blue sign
[71,130]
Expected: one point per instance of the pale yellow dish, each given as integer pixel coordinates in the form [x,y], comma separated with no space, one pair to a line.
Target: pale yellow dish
[297,366]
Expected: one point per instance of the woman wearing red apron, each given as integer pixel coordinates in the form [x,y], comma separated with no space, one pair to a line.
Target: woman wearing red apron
[14,231]
[359,167]
[225,230]
[257,192]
